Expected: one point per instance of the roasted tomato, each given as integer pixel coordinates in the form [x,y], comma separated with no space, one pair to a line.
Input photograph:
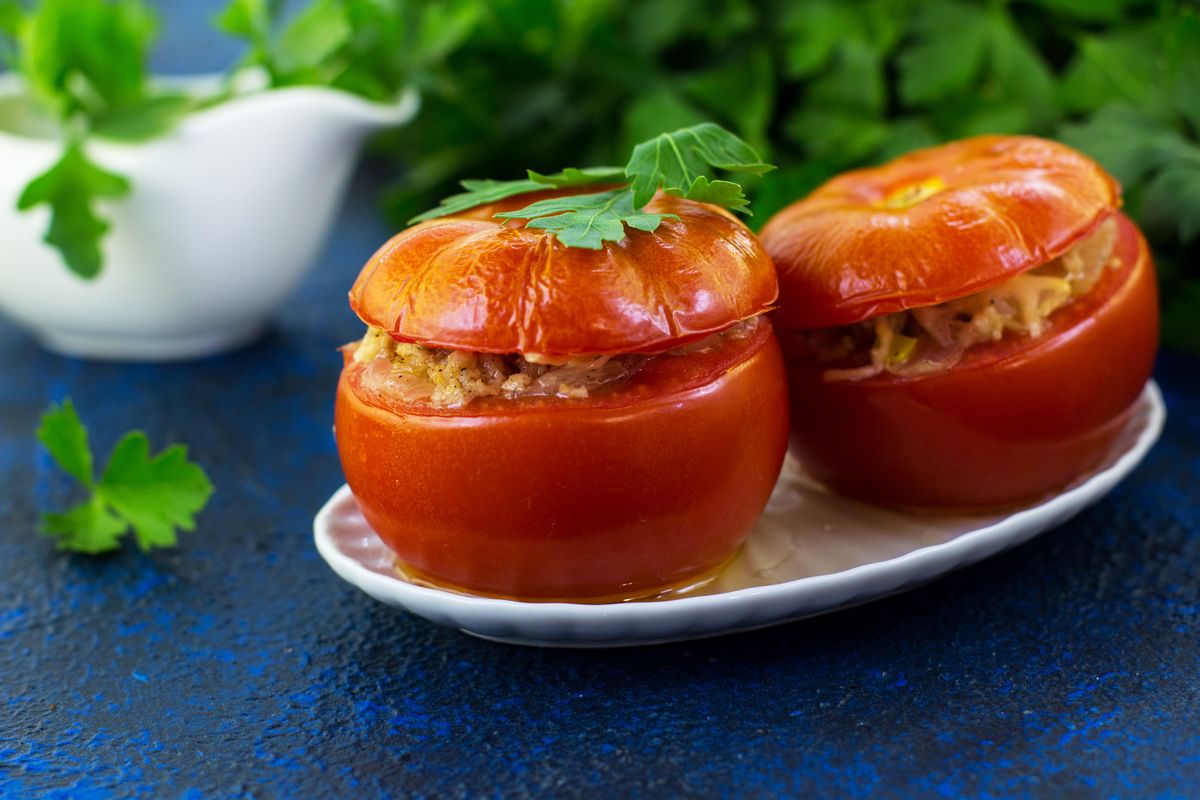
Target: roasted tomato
[532,421]
[966,327]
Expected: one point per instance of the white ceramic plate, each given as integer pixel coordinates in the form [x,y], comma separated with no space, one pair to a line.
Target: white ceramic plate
[810,553]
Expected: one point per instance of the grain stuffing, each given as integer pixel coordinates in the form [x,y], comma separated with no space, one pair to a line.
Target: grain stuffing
[453,378]
[933,338]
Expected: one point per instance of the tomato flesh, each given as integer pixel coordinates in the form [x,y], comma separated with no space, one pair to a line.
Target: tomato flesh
[1010,423]
[608,498]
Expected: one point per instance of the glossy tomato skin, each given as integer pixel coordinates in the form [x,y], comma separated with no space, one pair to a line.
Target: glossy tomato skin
[472,282]
[580,499]
[936,224]
[1013,421]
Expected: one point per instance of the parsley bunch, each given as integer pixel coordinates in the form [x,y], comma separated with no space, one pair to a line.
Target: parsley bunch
[367,47]
[153,495]
[83,62]
[822,86]
[676,162]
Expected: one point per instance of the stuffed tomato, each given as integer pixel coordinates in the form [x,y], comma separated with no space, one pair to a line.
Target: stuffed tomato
[965,327]
[528,420]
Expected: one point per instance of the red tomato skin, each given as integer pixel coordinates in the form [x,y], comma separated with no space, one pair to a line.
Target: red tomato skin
[1011,423]
[1006,204]
[470,281]
[573,500]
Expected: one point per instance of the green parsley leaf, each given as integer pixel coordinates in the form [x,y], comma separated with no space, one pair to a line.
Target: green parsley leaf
[315,34]
[1087,10]
[443,27]
[70,188]
[588,220]
[246,19]
[678,162]
[1172,199]
[478,193]
[674,160]
[86,56]
[740,91]
[811,32]
[948,52]
[579,177]
[720,193]
[152,117]
[1021,72]
[1184,52]
[65,438]
[89,527]
[154,495]
[11,17]
[854,82]
[84,63]
[1123,65]
[482,192]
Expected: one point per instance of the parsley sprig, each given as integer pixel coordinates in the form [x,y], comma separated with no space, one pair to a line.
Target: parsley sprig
[153,495]
[367,47]
[84,62]
[679,163]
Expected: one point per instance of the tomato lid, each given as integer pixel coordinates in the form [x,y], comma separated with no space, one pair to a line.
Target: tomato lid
[473,282]
[931,226]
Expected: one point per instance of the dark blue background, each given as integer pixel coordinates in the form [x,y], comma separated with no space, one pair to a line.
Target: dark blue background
[239,665]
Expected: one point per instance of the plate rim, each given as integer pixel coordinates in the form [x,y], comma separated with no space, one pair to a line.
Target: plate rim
[960,550]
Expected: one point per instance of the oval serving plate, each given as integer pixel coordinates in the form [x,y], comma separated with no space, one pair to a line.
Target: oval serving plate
[810,553]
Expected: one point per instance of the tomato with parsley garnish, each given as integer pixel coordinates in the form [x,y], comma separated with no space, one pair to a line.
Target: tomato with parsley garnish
[531,420]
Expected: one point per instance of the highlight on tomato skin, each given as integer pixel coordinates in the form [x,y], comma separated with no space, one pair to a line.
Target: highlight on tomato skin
[614,497]
[988,392]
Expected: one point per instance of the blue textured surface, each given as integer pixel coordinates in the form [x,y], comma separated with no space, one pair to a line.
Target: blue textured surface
[239,665]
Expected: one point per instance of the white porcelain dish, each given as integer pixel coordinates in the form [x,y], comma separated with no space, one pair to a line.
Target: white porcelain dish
[811,552]
[226,214]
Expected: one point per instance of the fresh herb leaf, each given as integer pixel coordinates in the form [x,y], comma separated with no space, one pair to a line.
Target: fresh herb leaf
[1172,200]
[11,18]
[1123,139]
[155,495]
[854,82]
[313,36]
[588,220]
[740,91]
[811,32]
[530,82]
[948,53]
[1087,10]
[86,56]
[89,527]
[71,188]
[246,19]
[478,193]
[720,193]
[369,47]
[84,62]
[65,438]
[579,177]
[152,117]
[678,162]
[673,161]
[482,192]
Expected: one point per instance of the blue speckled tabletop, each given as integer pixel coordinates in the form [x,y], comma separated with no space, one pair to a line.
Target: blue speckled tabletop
[239,665]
